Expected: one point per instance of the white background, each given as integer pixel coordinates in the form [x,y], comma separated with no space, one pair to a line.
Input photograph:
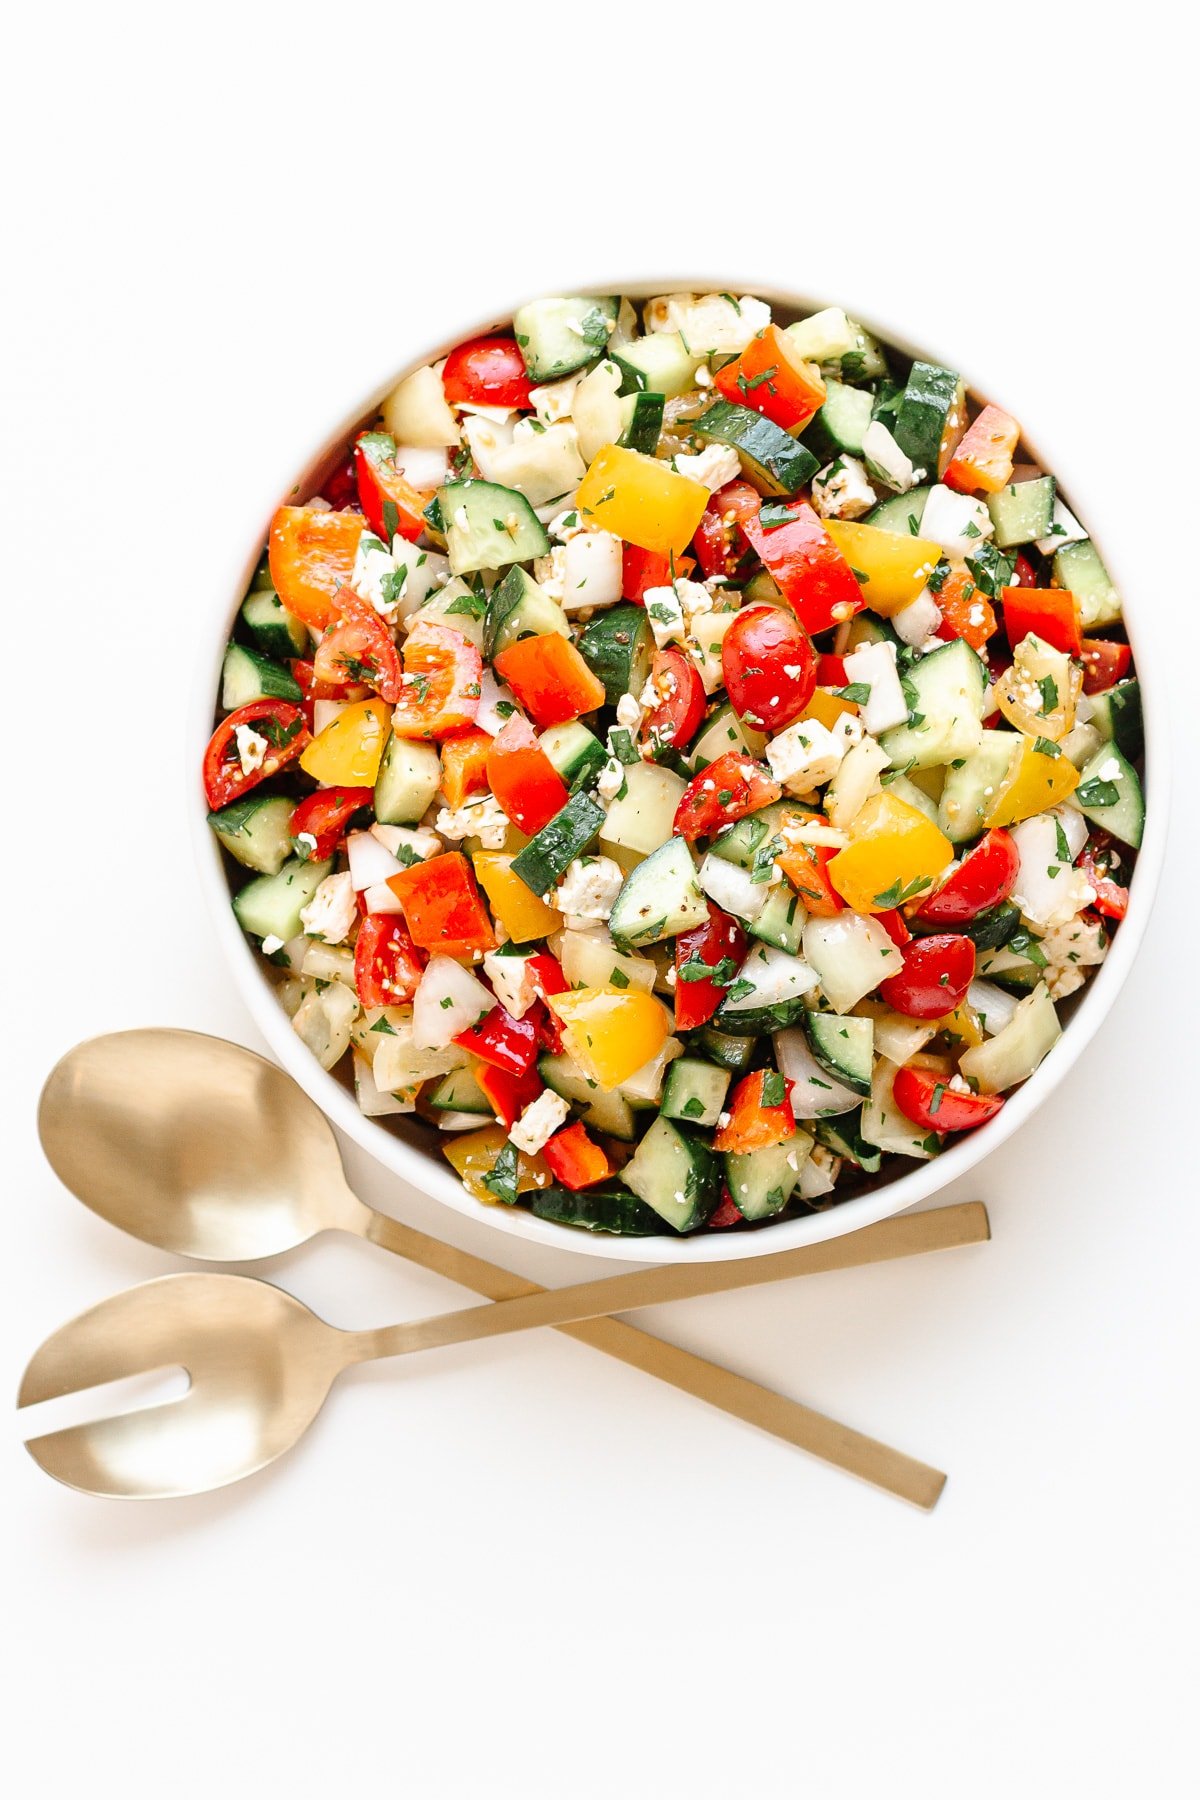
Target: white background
[518,1569]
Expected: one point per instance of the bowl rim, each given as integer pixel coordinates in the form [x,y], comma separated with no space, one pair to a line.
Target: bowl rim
[432,1175]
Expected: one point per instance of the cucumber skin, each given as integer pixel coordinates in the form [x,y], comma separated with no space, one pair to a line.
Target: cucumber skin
[781,464]
[921,418]
[612,644]
[615,1210]
[545,859]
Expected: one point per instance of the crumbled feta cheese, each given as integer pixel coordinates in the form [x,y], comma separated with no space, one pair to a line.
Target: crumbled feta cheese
[629,713]
[307,842]
[1110,770]
[1064,529]
[874,666]
[955,522]
[332,910]
[714,467]
[252,747]
[841,490]
[885,459]
[805,756]
[565,524]
[709,322]
[550,572]
[552,402]
[591,571]
[1069,949]
[611,781]
[917,622]
[483,818]
[664,609]
[539,1122]
[271,944]
[513,982]
[588,890]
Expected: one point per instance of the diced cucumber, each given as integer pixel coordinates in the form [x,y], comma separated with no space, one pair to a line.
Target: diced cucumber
[659,899]
[844,1046]
[781,921]
[1117,716]
[660,363]
[618,646]
[841,1135]
[545,859]
[276,631]
[270,906]
[773,461]
[575,752]
[642,414]
[1110,795]
[560,335]
[761,1182]
[644,816]
[946,690]
[731,1050]
[456,605]
[901,514]
[695,1091]
[840,422]
[909,792]
[932,410]
[262,579]
[488,526]
[459,1092]
[517,607]
[610,1113]
[815,1092]
[612,1209]
[971,784]
[746,839]
[675,1173]
[409,776]
[1022,511]
[247,675]
[1079,568]
[723,732]
[768,993]
[257,831]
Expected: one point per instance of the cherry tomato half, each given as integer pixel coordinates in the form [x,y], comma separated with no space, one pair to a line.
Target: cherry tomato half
[279,722]
[728,789]
[985,877]
[769,665]
[1104,664]
[487,371]
[720,946]
[1098,860]
[324,817]
[386,966]
[441,684]
[390,502]
[936,975]
[359,647]
[935,1106]
[678,712]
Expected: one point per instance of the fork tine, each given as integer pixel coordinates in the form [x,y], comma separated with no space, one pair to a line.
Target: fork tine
[127,1334]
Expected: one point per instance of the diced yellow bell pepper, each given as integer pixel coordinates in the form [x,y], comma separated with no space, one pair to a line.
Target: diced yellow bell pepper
[894,854]
[349,750]
[826,708]
[1034,782]
[472,1154]
[641,500]
[610,1034]
[962,1024]
[523,915]
[896,566]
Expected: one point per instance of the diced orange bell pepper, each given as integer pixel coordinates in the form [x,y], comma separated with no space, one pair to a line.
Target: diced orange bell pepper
[641,500]
[350,749]
[464,766]
[895,853]
[311,555]
[892,567]
[522,778]
[550,678]
[610,1034]
[523,915]
[1034,783]
[759,1114]
[807,868]
[574,1159]
[1050,613]
[443,907]
[984,457]
[770,378]
[966,611]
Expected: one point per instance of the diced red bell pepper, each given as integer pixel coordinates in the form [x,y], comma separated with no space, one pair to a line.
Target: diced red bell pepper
[498,1038]
[283,726]
[574,1159]
[760,1114]
[893,923]
[550,678]
[831,671]
[390,503]
[443,907]
[727,789]
[985,876]
[720,945]
[1053,613]
[808,568]
[935,1106]
[386,965]
[324,817]
[726,1214]
[549,978]
[340,486]
[642,569]
[966,611]
[508,1094]
[1104,664]
[522,778]
[487,371]
[464,766]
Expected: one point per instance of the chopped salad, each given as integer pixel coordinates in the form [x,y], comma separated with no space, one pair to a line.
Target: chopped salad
[685,755]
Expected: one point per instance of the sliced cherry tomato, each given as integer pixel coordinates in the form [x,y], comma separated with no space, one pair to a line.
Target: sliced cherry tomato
[769,665]
[760,1114]
[464,766]
[966,610]
[486,371]
[386,965]
[1053,613]
[575,1159]
[340,486]
[719,542]
[522,778]
[281,723]
[324,817]
[358,647]
[719,945]
[1104,664]
[726,1214]
[390,502]
[1099,858]
[985,876]
[810,571]
[509,1094]
[935,1106]
[441,688]
[1023,574]
[937,972]
[728,789]
[550,678]
[304,671]
[443,907]
[642,569]
[311,554]
[678,711]
[498,1038]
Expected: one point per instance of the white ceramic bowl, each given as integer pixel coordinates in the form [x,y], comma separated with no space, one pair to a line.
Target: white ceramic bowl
[409,1146]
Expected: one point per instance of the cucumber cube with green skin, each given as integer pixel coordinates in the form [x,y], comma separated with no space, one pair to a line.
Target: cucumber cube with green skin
[547,856]
[675,1173]
[409,777]
[517,607]
[618,646]
[932,407]
[1079,568]
[840,423]
[761,1182]
[1110,794]
[574,752]
[1117,716]
[695,1091]
[488,526]
[773,461]
[557,336]
[270,906]
[256,831]
[902,514]
[661,898]
[643,416]
[247,675]
[612,1209]
[658,364]
[275,631]
[844,1046]
[1021,512]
